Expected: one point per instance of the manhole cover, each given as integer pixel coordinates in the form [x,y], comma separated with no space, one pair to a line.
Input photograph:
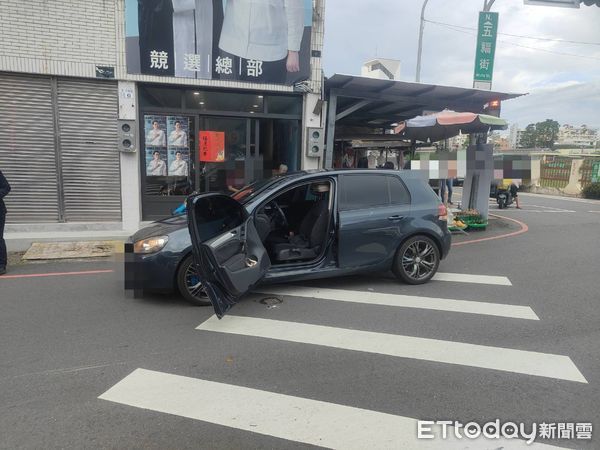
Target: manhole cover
[270,301]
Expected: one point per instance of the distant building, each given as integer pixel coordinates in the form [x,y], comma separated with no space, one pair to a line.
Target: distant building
[513,137]
[500,142]
[519,138]
[577,137]
[459,142]
[382,69]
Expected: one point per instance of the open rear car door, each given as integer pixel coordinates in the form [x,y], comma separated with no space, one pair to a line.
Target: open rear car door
[229,255]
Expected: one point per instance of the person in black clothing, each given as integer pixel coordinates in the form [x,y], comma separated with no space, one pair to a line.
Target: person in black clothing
[4,190]
[155,22]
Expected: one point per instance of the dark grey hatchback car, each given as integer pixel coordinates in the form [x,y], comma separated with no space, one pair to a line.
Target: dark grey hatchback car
[319,224]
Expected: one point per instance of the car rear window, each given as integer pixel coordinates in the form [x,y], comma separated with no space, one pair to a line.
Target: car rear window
[398,192]
[370,190]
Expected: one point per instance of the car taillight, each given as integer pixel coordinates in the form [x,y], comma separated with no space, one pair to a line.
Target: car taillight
[442,212]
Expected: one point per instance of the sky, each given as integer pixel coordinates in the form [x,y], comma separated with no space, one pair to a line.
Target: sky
[562,87]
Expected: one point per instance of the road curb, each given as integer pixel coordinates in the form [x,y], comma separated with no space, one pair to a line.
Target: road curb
[523,229]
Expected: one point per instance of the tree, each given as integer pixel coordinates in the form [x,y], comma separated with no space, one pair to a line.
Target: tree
[541,134]
[546,133]
[528,137]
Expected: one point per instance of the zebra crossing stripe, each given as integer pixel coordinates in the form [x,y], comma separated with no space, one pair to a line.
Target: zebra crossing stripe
[405,301]
[468,278]
[282,416]
[496,358]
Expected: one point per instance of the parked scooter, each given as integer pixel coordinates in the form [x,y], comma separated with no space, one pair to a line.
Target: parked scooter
[504,198]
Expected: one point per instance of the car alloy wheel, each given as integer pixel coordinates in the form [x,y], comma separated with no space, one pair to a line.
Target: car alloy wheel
[189,283]
[417,260]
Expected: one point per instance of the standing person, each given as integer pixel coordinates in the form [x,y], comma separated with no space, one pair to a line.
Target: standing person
[4,190]
[155,23]
[261,39]
[447,185]
[514,189]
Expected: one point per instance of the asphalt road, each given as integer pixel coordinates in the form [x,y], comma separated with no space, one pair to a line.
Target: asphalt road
[344,373]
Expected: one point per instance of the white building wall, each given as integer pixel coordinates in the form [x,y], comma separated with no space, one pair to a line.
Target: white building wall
[57,37]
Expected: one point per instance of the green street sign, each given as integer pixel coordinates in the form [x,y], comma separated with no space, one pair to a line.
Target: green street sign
[596,172]
[486,47]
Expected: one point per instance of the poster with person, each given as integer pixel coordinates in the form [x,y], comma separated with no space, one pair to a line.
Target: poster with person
[156,162]
[178,131]
[178,144]
[156,145]
[155,131]
[240,40]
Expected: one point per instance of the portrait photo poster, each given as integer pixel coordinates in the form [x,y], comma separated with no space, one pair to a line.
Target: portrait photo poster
[155,132]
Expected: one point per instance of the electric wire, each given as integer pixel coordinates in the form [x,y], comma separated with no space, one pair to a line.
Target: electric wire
[472,33]
[566,41]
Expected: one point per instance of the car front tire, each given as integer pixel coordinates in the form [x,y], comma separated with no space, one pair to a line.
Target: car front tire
[189,284]
[417,260]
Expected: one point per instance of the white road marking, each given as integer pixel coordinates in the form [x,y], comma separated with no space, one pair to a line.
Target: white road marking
[404,301]
[566,199]
[525,209]
[468,278]
[551,208]
[495,358]
[282,416]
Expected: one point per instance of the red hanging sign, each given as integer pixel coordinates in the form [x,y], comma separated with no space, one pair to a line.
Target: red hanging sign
[212,146]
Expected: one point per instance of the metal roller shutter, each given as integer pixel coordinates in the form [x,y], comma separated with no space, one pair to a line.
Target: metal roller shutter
[87,112]
[27,155]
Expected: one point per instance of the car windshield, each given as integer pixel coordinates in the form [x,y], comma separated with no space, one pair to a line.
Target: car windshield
[245,194]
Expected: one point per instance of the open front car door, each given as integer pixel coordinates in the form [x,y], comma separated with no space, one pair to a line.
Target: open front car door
[229,255]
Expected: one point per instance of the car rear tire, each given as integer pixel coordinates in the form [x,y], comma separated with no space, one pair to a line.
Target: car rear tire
[417,260]
[189,283]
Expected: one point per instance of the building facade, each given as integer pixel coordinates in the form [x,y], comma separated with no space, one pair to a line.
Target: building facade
[577,137]
[114,111]
[381,68]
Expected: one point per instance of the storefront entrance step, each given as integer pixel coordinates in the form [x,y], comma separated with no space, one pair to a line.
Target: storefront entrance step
[76,249]
[20,242]
[71,227]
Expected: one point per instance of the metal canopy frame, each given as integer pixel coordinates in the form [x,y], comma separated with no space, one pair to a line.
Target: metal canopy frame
[375,103]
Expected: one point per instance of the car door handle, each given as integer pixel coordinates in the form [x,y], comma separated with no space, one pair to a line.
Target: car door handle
[396,217]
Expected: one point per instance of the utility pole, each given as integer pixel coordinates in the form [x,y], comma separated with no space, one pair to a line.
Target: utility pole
[487,5]
[420,48]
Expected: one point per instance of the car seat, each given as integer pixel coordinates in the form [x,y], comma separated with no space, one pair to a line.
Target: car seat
[307,244]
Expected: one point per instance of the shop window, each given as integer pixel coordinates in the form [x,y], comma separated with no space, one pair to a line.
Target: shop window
[284,105]
[160,97]
[224,101]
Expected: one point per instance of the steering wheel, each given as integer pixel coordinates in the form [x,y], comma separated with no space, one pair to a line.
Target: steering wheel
[283,219]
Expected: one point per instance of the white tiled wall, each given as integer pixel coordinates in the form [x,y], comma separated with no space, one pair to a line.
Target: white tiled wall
[57,37]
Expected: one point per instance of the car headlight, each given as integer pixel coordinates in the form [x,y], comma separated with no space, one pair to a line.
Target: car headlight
[150,245]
